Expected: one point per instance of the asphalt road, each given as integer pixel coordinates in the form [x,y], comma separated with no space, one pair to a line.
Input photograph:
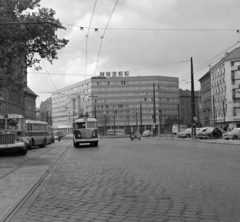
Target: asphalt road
[149,180]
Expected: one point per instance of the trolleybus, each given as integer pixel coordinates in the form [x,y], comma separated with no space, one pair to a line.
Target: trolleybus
[37,133]
[12,134]
[85,130]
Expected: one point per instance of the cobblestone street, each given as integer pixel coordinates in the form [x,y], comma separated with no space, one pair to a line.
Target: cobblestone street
[147,180]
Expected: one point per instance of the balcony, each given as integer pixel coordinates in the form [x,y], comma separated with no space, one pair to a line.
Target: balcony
[234,68]
[235,76]
[236,95]
[236,105]
[236,86]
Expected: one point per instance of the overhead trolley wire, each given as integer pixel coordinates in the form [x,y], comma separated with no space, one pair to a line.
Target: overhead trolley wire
[158,29]
[187,75]
[103,36]
[88,36]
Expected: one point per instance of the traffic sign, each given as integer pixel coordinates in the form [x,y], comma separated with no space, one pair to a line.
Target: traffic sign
[195,118]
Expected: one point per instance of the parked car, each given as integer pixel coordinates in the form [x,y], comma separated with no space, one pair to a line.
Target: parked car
[187,133]
[147,133]
[211,132]
[234,134]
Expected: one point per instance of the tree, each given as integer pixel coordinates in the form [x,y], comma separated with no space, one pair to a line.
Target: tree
[171,121]
[27,30]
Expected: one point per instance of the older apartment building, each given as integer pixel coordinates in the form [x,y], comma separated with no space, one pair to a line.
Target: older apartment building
[225,90]
[117,99]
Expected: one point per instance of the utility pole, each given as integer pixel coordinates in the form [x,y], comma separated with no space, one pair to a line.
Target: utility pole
[178,118]
[223,113]
[114,122]
[160,121]
[105,124]
[140,117]
[193,101]
[214,111]
[136,122]
[154,109]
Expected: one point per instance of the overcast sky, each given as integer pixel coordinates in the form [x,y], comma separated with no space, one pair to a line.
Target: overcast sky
[144,37]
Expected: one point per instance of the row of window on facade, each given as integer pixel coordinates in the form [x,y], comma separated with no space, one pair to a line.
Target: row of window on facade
[133,82]
[135,88]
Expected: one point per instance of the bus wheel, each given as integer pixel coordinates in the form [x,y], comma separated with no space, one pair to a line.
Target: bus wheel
[44,143]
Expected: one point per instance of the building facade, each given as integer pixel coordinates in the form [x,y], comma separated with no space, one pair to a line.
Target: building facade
[225,90]
[185,107]
[205,110]
[45,112]
[121,101]
[30,104]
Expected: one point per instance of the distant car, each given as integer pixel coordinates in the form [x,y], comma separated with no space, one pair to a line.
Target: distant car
[234,134]
[187,133]
[147,133]
[211,132]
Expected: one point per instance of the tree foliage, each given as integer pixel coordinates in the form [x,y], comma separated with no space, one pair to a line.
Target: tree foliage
[27,31]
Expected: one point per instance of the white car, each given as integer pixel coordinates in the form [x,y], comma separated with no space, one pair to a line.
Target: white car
[234,134]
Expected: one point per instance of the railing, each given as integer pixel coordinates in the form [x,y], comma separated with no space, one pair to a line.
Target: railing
[7,138]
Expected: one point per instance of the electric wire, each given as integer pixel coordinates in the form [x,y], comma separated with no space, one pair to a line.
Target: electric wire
[88,36]
[158,29]
[100,46]
[49,75]
[197,69]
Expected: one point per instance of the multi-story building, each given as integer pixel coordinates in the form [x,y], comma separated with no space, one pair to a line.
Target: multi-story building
[30,104]
[205,110]
[46,111]
[225,90]
[117,99]
[185,106]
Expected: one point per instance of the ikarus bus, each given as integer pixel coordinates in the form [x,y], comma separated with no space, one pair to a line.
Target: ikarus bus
[85,130]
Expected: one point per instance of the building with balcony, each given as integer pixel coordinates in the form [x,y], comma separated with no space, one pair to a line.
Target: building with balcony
[117,99]
[225,90]
[205,109]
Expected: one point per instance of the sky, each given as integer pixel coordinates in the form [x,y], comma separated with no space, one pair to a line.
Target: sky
[144,37]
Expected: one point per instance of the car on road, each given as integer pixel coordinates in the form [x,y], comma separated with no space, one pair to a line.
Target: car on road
[234,134]
[147,133]
[187,133]
[210,132]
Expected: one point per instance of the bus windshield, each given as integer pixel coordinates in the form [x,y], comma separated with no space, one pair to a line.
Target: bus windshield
[12,124]
[83,125]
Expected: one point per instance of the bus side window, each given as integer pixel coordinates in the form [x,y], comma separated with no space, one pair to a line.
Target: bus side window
[30,127]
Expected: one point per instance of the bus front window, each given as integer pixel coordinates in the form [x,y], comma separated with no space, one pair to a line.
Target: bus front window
[14,124]
[91,125]
[80,126]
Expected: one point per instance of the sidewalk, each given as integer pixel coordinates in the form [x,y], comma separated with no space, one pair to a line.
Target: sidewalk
[216,141]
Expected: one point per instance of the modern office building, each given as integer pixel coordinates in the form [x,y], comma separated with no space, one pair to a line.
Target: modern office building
[225,90]
[118,100]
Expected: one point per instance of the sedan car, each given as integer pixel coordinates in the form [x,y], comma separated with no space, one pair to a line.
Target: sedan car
[234,134]
[211,132]
[147,133]
[187,133]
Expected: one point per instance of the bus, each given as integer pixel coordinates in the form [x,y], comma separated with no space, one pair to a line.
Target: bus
[85,130]
[12,134]
[37,133]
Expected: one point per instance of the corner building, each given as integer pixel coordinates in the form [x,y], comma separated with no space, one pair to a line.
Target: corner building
[121,102]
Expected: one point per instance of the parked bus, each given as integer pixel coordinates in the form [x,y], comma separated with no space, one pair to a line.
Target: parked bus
[85,130]
[37,133]
[12,134]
